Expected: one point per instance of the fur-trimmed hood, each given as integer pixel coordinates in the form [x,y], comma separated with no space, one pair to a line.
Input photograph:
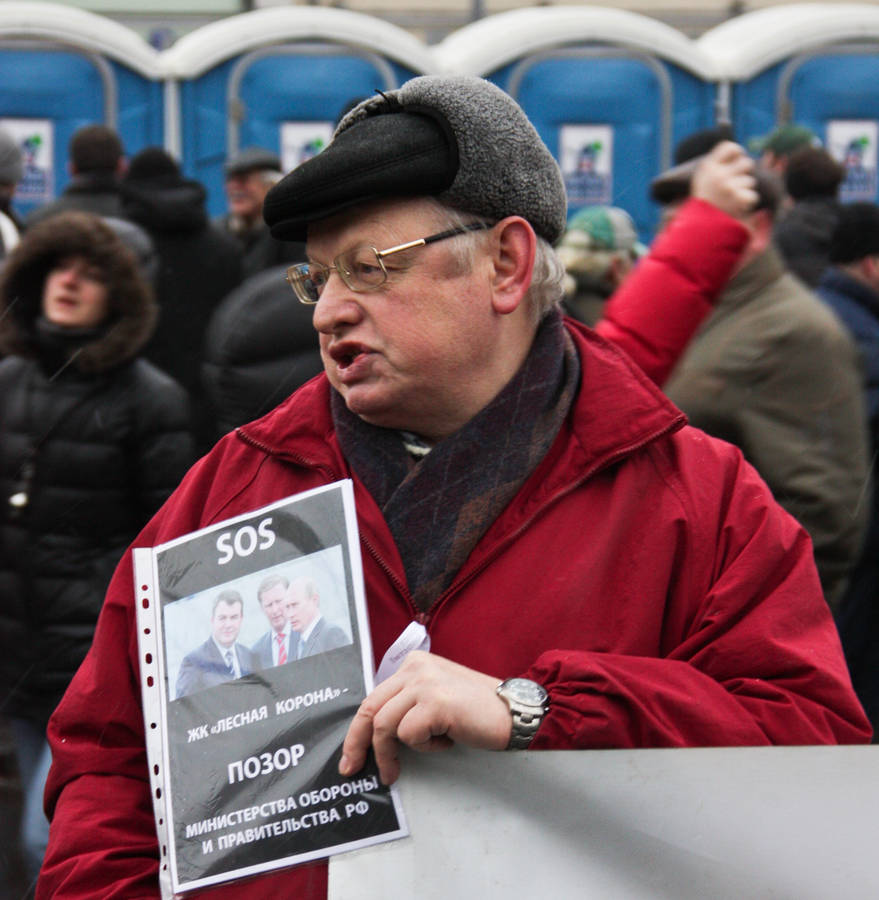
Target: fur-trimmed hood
[133,310]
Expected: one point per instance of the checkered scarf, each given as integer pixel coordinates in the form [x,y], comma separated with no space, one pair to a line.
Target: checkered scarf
[438,507]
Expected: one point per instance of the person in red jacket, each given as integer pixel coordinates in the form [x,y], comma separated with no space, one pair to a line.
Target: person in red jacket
[659,306]
[590,572]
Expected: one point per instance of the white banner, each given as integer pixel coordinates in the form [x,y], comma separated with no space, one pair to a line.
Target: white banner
[789,823]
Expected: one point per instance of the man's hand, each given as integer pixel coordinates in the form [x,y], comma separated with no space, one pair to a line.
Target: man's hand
[725,179]
[429,704]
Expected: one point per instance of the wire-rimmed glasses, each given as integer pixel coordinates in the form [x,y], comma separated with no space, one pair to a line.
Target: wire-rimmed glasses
[361,268]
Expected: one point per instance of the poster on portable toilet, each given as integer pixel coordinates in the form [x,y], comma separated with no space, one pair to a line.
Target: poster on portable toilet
[853,143]
[300,141]
[586,158]
[35,137]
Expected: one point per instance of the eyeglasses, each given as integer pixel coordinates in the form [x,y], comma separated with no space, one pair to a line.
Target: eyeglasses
[361,269]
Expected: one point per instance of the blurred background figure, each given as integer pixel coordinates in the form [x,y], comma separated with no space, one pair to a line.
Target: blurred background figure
[92,441]
[96,160]
[260,347]
[11,171]
[803,233]
[851,286]
[775,149]
[198,266]
[140,244]
[249,175]
[598,250]
[774,371]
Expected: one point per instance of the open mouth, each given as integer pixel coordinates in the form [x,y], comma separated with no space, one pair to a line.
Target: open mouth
[345,356]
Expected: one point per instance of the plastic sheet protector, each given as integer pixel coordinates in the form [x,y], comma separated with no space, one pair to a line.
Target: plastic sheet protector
[244,743]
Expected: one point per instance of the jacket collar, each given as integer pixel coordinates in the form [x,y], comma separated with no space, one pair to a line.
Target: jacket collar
[617,410]
[763,269]
[93,183]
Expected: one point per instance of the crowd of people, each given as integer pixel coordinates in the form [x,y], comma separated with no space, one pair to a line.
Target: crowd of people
[683,434]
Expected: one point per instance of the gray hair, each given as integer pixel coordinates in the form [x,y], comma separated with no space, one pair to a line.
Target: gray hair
[547,280]
[269,582]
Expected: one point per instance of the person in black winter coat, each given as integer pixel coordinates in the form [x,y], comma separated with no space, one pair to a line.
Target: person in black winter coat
[249,175]
[198,266]
[92,441]
[259,348]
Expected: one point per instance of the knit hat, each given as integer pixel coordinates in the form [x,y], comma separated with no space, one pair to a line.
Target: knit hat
[11,165]
[460,139]
[152,163]
[784,140]
[698,143]
[603,228]
[252,159]
[856,234]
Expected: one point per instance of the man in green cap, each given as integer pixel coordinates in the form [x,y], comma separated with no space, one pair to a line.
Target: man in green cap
[776,147]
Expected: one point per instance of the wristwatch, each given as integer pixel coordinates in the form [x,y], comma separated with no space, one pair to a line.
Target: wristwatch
[529,703]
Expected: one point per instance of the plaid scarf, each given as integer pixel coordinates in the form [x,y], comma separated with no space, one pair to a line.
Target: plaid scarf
[438,506]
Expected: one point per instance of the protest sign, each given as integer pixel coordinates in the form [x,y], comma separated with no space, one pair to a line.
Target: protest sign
[255,655]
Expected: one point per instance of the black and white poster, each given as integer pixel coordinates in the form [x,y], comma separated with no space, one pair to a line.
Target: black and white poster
[255,655]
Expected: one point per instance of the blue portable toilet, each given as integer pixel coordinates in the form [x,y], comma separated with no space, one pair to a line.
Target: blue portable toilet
[62,68]
[276,78]
[610,92]
[815,64]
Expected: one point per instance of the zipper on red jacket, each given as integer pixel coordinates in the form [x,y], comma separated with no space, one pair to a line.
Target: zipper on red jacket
[416,614]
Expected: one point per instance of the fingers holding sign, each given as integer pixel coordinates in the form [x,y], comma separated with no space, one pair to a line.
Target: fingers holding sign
[430,704]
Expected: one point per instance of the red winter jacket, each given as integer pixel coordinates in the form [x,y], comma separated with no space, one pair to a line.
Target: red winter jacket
[643,574]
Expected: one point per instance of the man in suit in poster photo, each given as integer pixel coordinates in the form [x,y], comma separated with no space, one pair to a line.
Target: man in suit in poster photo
[220,658]
[316,634]
[279,644]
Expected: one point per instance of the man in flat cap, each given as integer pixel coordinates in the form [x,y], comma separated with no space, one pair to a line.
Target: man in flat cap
[250,174]
[588,571]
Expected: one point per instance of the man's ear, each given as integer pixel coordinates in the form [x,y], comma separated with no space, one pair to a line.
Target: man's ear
[513,248]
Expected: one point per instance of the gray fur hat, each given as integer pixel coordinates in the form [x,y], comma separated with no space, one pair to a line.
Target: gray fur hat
[460,139]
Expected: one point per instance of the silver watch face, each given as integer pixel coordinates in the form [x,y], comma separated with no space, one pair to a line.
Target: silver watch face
[525,691]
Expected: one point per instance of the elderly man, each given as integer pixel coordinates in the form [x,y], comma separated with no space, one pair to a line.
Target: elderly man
[250,174]
[590,571]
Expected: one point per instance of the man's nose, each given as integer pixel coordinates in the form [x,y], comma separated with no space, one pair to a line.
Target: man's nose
[337,307]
